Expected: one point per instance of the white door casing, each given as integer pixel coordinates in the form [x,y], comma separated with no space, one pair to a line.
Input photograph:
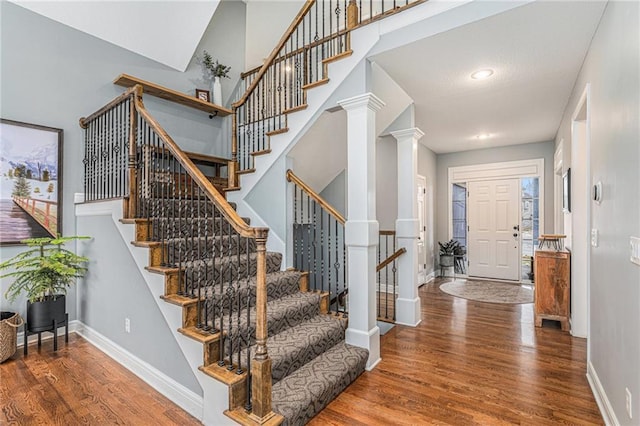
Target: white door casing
[422,235]
[494,236]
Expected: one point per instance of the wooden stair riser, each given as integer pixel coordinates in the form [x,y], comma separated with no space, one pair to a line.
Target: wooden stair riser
[237,383]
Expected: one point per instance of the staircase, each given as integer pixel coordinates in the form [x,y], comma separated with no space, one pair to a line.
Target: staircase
[311,363]
[271,335]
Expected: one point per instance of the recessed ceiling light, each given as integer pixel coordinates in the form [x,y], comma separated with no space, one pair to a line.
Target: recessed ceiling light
[482,74]
[483,136]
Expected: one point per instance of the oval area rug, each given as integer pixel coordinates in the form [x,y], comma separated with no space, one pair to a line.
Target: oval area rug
[488,291]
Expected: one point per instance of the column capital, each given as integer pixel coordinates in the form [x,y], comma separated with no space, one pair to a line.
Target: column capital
[368,100]
[412,132]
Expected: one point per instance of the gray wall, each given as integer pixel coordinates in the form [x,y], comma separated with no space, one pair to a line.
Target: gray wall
[612,68]
[493,155]
[336,193]
[52,75]
[114,281]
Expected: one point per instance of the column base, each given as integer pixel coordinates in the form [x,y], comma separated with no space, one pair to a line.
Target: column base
[408,312]
[368,340]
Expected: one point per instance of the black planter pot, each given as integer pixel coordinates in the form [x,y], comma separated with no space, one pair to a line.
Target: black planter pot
[40,315]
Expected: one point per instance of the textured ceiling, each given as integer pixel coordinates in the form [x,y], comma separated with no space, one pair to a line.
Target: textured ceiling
[536,51]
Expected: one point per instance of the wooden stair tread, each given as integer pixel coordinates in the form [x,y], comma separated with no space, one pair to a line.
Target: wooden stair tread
[146,244]
[247,171]
[337,57]
[231,188]
[162,270]
[295,109]
[178,300]
[223,375]
[197,335]
[134,221]
[263,152]
[277,131]
[315,83]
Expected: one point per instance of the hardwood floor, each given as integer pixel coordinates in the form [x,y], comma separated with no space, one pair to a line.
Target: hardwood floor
[467,363]
[79,385]
[470,363]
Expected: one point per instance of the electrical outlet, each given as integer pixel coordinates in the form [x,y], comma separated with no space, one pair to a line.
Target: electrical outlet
[594,237]
[127,325]
[627,394]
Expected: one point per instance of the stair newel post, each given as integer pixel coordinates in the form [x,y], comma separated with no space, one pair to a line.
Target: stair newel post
[352,14]
[132,163]
[261,364]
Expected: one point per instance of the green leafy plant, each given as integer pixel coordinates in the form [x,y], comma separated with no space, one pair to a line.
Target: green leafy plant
[211,68]
[450,248]
[46,269]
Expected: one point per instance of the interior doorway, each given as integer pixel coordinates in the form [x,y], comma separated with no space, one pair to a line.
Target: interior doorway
[525,212]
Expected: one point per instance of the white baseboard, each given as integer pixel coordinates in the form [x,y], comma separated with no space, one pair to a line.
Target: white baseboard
[606,410]
[185,398]
[46,335]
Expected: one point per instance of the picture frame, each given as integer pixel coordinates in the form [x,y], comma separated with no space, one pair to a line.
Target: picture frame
[203,95]
[31,181]
[566,191]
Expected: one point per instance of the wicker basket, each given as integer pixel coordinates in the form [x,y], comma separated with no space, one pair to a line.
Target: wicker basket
[9,323]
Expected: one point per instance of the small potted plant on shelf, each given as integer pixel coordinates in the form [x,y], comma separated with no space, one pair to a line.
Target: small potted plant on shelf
[43,273]
[213,71]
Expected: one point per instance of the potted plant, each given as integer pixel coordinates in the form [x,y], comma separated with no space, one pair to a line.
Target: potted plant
[43,273]
[213,71]
[448,252]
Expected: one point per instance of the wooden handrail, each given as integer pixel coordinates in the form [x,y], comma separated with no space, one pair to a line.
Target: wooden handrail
[84,122]
[207,187]
[267,63]
[291,177]
[391,258]
[392,232]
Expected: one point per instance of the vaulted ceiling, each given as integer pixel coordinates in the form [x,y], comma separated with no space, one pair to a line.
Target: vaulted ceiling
[165,31]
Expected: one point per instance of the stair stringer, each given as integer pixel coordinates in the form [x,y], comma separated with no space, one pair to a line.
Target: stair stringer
[215,394]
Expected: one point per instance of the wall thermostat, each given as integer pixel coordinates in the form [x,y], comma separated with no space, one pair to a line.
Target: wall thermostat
[596,193]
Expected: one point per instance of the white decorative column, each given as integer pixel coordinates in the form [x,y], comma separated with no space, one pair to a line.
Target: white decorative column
[361,229]
[408,227]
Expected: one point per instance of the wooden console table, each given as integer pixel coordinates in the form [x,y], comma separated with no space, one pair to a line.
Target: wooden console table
[552,287]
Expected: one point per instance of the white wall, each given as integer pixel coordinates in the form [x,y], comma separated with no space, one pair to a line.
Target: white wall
[612,69]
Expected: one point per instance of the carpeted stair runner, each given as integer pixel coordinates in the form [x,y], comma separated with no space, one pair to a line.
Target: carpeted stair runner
[311,364]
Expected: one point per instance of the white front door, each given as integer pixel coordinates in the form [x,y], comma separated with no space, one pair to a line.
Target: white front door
[422,235]
[494,236]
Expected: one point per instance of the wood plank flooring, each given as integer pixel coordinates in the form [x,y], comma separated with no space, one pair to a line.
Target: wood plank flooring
[470,363]
[467,363]
[79,385]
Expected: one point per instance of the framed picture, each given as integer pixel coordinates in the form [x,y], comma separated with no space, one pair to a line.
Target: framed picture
[203,95]
[566,191]
[30,181]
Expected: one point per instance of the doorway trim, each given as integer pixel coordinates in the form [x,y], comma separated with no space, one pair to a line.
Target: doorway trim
[489,171]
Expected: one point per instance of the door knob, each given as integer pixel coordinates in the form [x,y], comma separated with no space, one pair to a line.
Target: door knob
[516,228]
[515,234]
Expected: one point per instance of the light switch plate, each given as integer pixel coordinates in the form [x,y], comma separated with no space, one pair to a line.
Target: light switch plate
[635,250]
[594,238]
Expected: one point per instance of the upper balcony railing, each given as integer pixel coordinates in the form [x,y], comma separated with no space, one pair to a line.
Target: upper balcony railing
[319,34]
